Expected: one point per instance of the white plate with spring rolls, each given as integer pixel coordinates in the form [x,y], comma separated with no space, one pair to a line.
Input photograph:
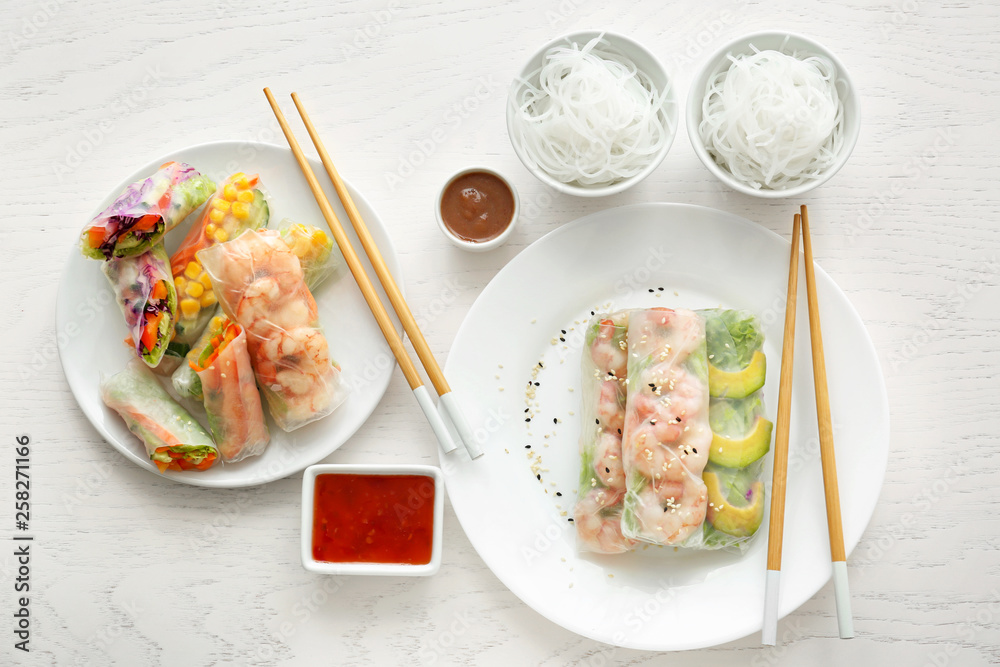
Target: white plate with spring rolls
[92,327]
[515,503]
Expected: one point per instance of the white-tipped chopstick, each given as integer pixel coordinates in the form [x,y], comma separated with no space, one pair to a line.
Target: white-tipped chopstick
[399,304]
[834,523]
[779,476]
[367,290]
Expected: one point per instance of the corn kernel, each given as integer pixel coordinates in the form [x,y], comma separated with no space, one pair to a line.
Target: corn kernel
[194,289]
[210,229]
[215,215]
[229,192]
[241,210]
[216,321]
[208,299]
[241,181]
[221,236]
[319,238]
[192,270]
[245,196]
[301,249]
[206,281]
[179,282]
[190,307]
[220,204]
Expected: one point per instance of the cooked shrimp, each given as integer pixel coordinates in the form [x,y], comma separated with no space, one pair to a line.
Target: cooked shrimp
[597,528]
[672,518]
[611,406]
[608,465]
[608,355]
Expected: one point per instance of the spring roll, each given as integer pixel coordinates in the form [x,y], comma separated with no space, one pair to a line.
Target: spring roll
[598,510]
[666,436]
[231,401]
[319,260]
[237,206]
[145,211]
[174,440]
[741,431]
[260,285]
[145,293]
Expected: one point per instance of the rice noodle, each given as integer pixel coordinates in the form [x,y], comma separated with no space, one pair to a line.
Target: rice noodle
[774,120]
[593,118]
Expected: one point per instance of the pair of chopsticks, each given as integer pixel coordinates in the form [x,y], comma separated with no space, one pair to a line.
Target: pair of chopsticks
[780,475]
[448,401]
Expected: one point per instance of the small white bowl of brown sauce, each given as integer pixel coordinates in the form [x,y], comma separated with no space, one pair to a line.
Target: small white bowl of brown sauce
[477,209]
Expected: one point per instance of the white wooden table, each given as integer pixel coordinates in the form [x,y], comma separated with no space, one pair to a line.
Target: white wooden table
[136,570]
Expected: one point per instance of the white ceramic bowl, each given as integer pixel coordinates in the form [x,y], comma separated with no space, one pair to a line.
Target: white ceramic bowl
[484,245]
[644,60]
[390,569]
[779,41]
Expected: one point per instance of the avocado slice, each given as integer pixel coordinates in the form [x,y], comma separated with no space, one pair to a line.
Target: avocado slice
[741,521]
[738,384]
[741,452]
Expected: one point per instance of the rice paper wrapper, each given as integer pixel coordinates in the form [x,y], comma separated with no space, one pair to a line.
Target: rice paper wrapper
[318,254]
[741,431]
[238,205]
[597,514]
[260,285]
[155,418]
[168,196]
[666,435]
[133,280]
[185,379]
[235,414]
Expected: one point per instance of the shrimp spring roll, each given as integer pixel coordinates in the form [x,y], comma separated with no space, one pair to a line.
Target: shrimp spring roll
[174,440]
[145,211]
[231,400]
[598,510]
[145,293]
[667,434]
[260,285]
[237,206]
[319,261]
[741,431]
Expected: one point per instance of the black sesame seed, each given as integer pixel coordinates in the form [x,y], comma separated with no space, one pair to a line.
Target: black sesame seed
[539,477]
[660,288]
[540,365]
[678,420]
[650,291]
[562,339]
[664,509]
[555,420]
[570,519]
[597,421]
[592,312]
[538,384]
[527,446]
[558,493]
[526,409]
[608,470]
[527,419]
[562,331]
[619,431]
[694,450]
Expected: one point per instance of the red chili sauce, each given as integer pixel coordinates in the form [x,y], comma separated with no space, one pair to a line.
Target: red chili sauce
[373,519]
[477,207]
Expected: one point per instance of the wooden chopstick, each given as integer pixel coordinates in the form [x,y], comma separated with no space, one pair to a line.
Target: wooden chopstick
[399,304]
[833,517]
[780,474]
[367,290]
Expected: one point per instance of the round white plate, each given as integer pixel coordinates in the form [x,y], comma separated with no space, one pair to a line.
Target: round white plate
[654,598]
[93,326]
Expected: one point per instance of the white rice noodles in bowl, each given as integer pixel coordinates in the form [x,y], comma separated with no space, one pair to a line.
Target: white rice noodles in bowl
[593,119]
[774,120]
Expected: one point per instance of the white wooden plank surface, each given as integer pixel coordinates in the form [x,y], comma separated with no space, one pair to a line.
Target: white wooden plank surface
[131,569]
